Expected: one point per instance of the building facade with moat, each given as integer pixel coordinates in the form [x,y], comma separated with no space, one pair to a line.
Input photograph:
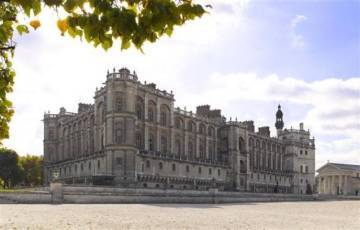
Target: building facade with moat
[134,136]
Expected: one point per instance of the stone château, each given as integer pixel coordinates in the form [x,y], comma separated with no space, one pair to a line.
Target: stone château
[134,136]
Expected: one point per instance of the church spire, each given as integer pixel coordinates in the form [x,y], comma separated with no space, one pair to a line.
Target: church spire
[279,124]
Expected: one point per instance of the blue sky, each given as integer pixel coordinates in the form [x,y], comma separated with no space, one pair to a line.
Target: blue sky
[245,58]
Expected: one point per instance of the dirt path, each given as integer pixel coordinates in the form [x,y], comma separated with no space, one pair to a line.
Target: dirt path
[286,215]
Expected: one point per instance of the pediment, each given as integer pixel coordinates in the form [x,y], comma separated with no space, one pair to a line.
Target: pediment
[329,168]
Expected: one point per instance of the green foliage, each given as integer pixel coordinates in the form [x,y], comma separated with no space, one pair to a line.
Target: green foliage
[10,170]
[100,22]
[25,170]
[32,170]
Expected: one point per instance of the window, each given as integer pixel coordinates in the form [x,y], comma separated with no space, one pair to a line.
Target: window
[151,114]
[147,164]
[306,169]
[187,168]
[190,148]
[210,132]
[142,168]
[119,102]
[301,152]
[90,165]
[119,160]
[202,150]
[177,147]
[219,172]
[301,168]
[118,132]
[139,112]
[301,181]
[202,129]
[163,144]
[210,171]
[98,164]
[160,165]
[306,152]
[163,118]
[139,141]
[178,123]
[199,170]
[151,142]
[76,168]
[51,133]
[190,126]
[173,167]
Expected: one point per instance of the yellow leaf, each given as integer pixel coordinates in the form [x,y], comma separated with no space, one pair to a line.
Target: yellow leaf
[35,24]
[63,26]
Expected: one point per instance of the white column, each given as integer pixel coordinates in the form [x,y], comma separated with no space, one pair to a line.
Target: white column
[341,190]
[333,185]
[346,185]
[327,180]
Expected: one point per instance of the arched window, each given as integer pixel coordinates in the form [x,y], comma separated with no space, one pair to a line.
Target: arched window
[202,149]
[211,131]
[151,114]
[178,123]
[139,142]
[241,144]
[163,118]
[202,129]
[151,142]
[140,108]
[190,126]
[164,115]
[211,150]
[274,162]
[151,111]
[269,160]
[178,147]
[118,130]
[119,102]
[163,144]
[191,149]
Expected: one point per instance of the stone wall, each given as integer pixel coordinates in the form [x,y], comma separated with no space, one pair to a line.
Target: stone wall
[84,194]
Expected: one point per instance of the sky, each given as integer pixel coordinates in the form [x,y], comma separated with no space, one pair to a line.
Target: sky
[244,57]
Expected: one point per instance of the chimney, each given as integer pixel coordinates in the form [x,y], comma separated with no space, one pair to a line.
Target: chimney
[301,126]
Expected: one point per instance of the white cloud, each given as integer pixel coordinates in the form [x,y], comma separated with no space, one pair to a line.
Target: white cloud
[55,71]
[333,107]
[297,40]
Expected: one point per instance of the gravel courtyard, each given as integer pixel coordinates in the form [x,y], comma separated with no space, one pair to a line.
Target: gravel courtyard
[286,215]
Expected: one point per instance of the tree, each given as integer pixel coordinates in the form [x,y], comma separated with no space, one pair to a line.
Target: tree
[10,170]
[32,170]
[100,22]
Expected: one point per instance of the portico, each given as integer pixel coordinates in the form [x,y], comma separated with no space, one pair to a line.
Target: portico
[339,179]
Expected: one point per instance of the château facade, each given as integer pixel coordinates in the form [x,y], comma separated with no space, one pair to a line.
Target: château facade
[134,136]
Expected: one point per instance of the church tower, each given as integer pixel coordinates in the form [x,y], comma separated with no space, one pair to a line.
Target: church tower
[279,124]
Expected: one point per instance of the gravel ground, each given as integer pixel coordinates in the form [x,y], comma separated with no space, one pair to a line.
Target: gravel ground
[284,215]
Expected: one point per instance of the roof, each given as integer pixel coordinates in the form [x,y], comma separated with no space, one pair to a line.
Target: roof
[348,167]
